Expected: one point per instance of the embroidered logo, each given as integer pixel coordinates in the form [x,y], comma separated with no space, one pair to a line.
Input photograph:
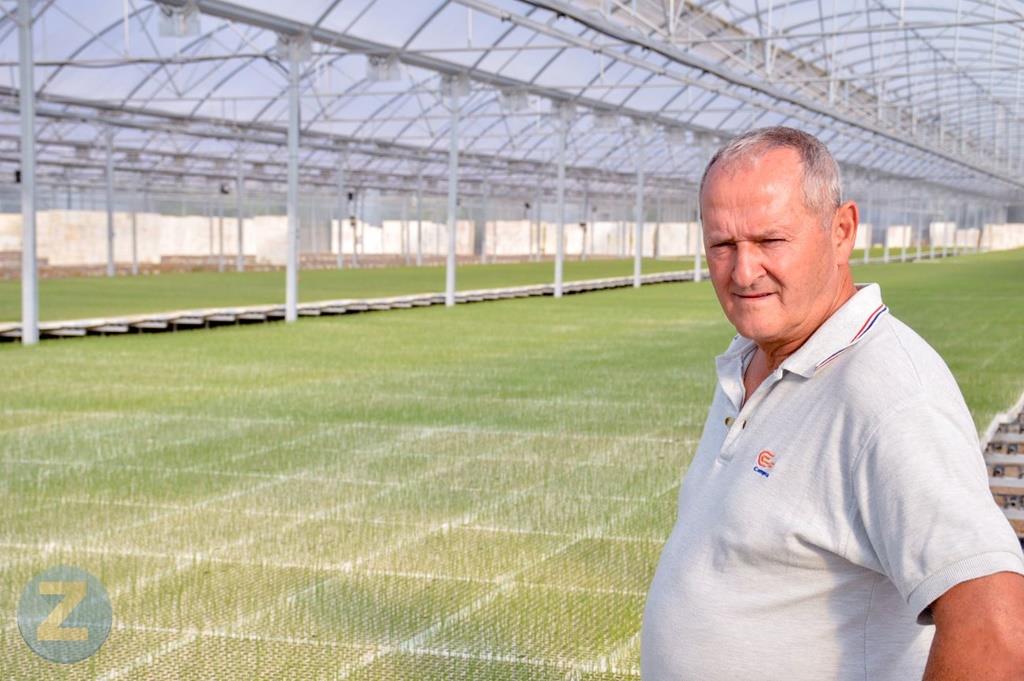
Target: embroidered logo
[765,462]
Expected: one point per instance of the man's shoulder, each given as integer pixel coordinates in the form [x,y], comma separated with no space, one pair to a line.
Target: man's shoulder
[895,365]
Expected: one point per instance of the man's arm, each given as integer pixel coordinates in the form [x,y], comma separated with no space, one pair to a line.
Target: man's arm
[979,631]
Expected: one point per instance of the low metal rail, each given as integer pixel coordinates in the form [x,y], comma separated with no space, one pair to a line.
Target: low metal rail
[184,320]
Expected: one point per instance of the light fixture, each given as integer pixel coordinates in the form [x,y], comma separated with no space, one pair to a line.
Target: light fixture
[302,42]
[382,68]
[565,112]
[455,85]
[606,120]
[514,99]
[677,136]
[179,22]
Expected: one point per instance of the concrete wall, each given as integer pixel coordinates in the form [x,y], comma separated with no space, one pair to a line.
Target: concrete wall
[899,236]
[967,238]
[942,234]
[79,237]
[1002,237]
[863,239]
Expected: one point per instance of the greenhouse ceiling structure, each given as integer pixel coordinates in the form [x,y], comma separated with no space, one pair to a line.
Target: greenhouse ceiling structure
[560,96]
[186,92]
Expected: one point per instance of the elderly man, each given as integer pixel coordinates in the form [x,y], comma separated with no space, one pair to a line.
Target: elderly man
[836,521]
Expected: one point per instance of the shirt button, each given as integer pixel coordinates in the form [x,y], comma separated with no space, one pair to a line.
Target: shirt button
[729,421]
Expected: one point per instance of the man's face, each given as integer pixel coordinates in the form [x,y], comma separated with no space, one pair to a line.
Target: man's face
[772,264]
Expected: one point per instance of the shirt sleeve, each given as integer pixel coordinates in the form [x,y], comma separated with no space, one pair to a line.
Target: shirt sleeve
[920,487]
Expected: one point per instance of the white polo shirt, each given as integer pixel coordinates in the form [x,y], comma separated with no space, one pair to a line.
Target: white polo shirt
[818,523]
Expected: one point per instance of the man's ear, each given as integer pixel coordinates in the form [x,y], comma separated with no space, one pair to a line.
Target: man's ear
[844,229]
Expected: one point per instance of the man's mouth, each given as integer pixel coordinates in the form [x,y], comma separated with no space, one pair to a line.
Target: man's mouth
[753,296]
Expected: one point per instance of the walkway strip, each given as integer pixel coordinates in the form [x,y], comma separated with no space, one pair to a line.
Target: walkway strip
[183,320]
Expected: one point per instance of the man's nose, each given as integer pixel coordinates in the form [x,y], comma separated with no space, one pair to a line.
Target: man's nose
[748,266]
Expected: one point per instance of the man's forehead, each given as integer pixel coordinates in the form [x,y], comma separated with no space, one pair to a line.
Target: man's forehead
[773,162]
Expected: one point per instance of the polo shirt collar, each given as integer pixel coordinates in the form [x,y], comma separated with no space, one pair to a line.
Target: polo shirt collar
[841,331]
[838,333]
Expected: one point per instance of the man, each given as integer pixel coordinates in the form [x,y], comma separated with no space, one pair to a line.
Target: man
[837,506]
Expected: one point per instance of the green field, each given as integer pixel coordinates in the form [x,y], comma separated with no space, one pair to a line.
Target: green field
[89,297]
[478,492]
[86,297]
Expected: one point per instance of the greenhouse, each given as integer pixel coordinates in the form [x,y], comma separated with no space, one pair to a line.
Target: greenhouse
[372,339]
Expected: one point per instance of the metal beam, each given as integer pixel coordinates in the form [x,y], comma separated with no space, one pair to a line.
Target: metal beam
[342,207]
[110,203]
[563,134]
[240,197]
[291,312]
[638,246]
[616,31]
[337,39]
[453,189]
[266,134]
[26,83]
[698,242]
[220,232]
[419,223]
[135,242]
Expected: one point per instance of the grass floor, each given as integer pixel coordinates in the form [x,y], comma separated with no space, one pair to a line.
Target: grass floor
[478,492]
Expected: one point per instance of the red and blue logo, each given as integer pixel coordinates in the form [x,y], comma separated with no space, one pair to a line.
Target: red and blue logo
[765,462]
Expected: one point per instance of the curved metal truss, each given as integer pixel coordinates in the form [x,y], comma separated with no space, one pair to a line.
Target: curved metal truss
[190,92]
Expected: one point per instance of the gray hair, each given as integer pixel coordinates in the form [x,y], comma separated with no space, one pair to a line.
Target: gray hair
[823,190]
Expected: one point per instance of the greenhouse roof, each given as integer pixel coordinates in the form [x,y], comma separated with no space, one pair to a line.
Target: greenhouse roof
[187,93]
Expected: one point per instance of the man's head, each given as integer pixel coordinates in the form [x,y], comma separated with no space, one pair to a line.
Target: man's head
[777,236]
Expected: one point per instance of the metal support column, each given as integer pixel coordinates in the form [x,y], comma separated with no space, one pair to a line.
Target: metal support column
[343,210]
[27,101]
[220,234]
[638,239]
[358,203]
[920,231]
[885,243]
[485,207]
[563,134]
[656,246]
[291,312]
[535,236]
[931,238]
[240,196]
[906,231]
[698,273]
[110,203]
[406,246]
[419,222]
[587,247]
[135,243]
[871,233]
[453,189]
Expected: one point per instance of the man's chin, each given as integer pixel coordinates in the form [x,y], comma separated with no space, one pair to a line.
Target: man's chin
[759,333]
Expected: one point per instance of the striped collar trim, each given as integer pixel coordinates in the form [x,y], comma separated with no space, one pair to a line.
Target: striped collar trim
[865,327]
